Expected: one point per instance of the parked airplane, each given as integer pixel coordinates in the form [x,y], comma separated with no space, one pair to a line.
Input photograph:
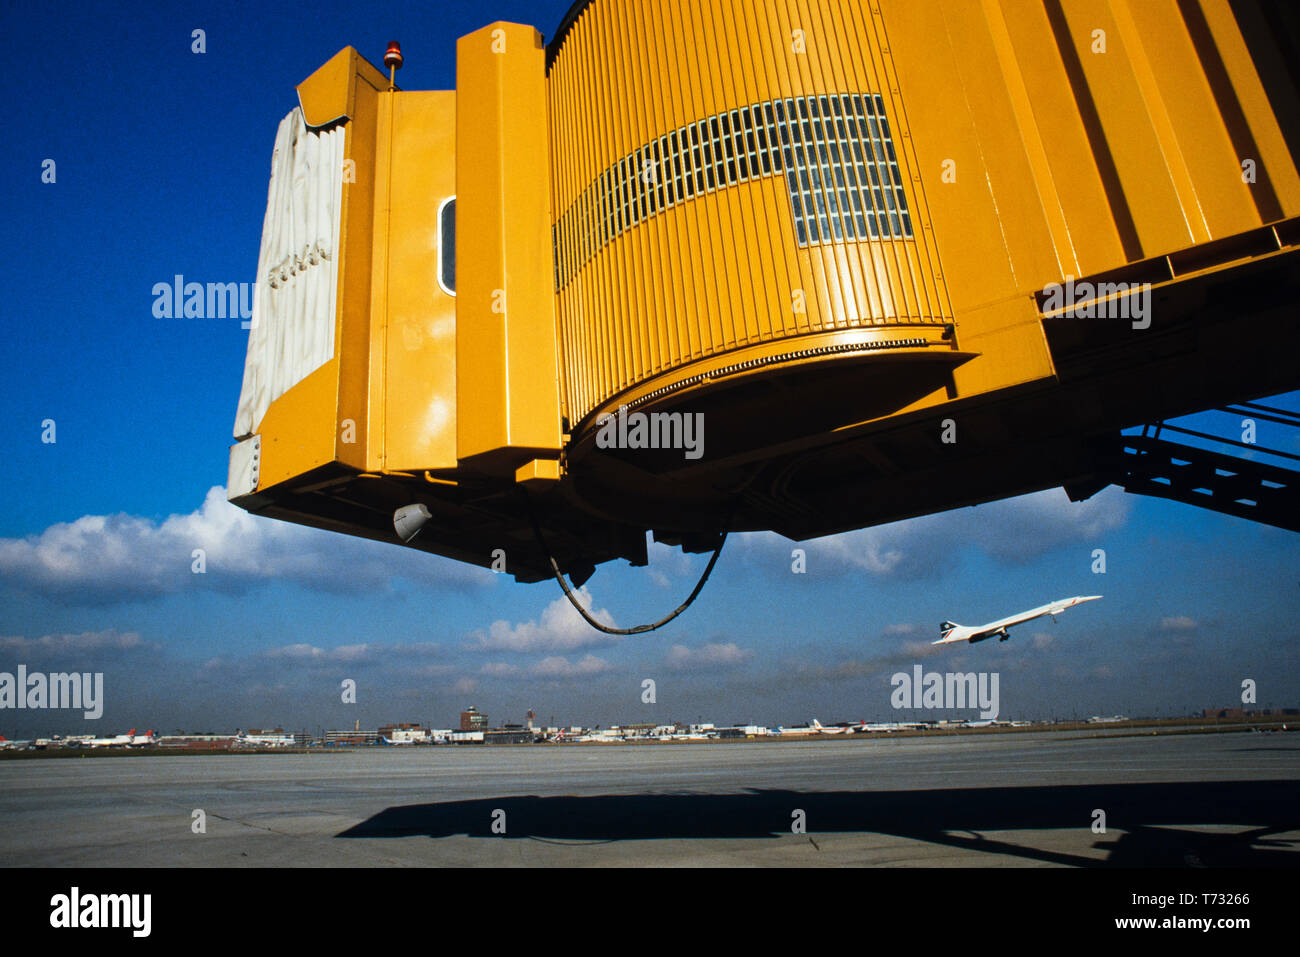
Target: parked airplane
[843,727]
[128,740]
[815,728]
[120,740]
[266,739]
[950,632]
[878,727]
[797,729]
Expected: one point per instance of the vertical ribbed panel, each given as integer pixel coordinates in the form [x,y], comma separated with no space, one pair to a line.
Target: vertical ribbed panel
[707,273]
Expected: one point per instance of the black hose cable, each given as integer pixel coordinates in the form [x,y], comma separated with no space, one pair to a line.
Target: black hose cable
[573,599]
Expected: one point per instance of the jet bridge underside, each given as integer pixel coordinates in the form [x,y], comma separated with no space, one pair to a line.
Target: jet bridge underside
[1232,484]
[1228,333]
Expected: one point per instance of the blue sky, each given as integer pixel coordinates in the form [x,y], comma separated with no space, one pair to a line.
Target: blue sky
[162,159]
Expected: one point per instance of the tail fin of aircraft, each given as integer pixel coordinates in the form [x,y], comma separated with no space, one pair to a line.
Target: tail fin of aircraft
[945,629]
[817,724]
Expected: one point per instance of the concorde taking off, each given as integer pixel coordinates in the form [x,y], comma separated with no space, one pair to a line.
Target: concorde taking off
[950,632]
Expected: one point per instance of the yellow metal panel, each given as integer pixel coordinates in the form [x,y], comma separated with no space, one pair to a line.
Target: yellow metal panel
[355,238]
[1276,191]
[1095,236]
[977,263]
[1145,184]
[1019,207]
[413,336]
[298,430]
[329,94]
[1036,153]
[1170,152]
[1204,146]
[928,285]
[508,408]
[998,240]
[1272,62]
[538,473]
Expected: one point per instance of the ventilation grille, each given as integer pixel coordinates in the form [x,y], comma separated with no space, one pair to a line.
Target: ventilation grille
[835,152]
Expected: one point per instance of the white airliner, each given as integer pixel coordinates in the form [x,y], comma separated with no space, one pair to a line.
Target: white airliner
[833,729]
[128,740]
[950,632]
[815,728]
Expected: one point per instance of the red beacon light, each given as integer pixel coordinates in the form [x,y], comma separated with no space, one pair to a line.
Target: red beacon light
[393,60]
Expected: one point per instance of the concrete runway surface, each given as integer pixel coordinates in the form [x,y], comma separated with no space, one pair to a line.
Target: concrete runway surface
[977,800]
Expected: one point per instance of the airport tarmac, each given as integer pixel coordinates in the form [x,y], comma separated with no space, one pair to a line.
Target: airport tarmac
[1026,799]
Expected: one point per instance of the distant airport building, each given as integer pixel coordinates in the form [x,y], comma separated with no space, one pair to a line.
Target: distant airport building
[406,734]
[350,738]
[630,732]
[1242,713]
[1224,713]
[473,720]
[515,735]
[742,731]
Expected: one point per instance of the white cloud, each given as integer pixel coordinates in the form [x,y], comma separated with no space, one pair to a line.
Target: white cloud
[363,652]
[420,649]
[561,629]
[1177,623]
[427,671]
[921,649]
[305,652]
[558,667]
[666,563]
[1015,531]
[900,629]
[465,685]
[713,655]
[500,669]
[102,559]
[68,644]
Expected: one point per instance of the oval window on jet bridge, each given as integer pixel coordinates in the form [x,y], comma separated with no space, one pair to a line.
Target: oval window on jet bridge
[447,246]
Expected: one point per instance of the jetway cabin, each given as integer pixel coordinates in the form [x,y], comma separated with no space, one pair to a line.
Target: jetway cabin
[887,258]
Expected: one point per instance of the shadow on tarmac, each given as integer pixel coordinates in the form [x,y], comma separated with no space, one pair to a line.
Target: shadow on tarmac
[1149,818]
